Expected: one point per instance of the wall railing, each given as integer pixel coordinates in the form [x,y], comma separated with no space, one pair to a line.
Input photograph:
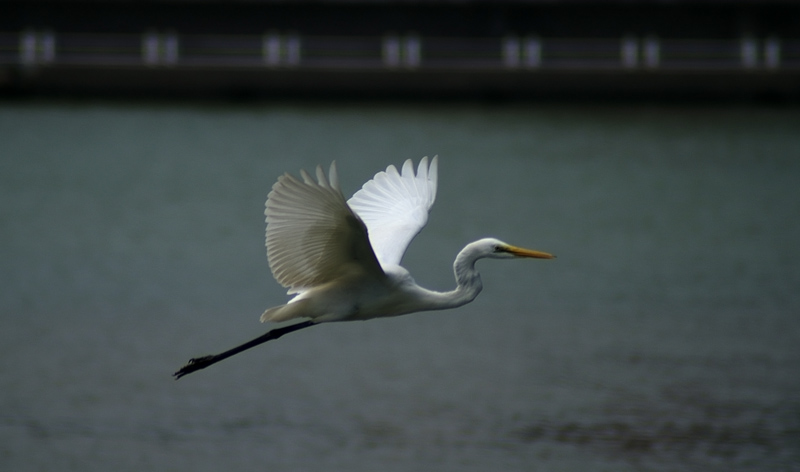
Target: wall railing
[273,49]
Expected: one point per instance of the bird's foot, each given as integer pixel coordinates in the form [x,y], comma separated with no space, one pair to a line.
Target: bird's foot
[194,364]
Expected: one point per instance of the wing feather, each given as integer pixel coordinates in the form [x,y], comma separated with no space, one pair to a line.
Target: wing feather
[394,206]
[312,236]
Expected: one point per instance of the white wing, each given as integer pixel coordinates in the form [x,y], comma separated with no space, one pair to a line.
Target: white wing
[313,237]
[395,207]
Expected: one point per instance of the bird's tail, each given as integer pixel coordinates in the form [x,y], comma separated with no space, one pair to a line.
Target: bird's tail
[286,312]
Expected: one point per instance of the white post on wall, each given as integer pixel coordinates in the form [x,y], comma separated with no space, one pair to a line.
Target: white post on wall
[749,52]
[271,49]
[170,52]
[511,52]
[27,48]
[629,52]
[47,47]
[772,53]
[391,51]
[532,55]
[412,51]
[651,52]
[151,45]
[292,49]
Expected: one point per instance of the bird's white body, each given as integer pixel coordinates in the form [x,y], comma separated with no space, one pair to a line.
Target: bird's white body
[341,259]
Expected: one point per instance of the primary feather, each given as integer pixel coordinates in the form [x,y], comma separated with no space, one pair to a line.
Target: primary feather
[395,207]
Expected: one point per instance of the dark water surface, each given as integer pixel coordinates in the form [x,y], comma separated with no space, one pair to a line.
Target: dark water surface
[666,336]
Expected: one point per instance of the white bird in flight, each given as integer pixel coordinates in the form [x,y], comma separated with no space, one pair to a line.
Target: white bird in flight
[341,259]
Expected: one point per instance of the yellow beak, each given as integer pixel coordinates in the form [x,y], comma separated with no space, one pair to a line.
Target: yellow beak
[522,252]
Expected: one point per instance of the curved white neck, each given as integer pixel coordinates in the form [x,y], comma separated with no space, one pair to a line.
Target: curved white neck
[467,278]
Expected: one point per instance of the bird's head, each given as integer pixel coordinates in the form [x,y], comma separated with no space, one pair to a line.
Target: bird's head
[496,249]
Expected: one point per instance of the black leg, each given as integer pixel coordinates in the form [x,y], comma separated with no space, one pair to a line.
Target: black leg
[198,363]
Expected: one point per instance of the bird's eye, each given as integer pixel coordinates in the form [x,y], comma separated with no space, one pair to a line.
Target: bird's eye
[498,248]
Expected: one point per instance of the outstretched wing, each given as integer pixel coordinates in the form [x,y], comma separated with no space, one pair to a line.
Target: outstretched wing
[395,207]
[313,237]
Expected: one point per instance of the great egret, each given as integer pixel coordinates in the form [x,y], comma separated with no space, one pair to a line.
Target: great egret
[341,259]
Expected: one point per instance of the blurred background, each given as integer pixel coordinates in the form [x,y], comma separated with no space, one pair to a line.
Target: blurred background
[654,147]
[512,49]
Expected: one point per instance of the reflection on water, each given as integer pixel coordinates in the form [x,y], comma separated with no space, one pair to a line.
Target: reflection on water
[663,337]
